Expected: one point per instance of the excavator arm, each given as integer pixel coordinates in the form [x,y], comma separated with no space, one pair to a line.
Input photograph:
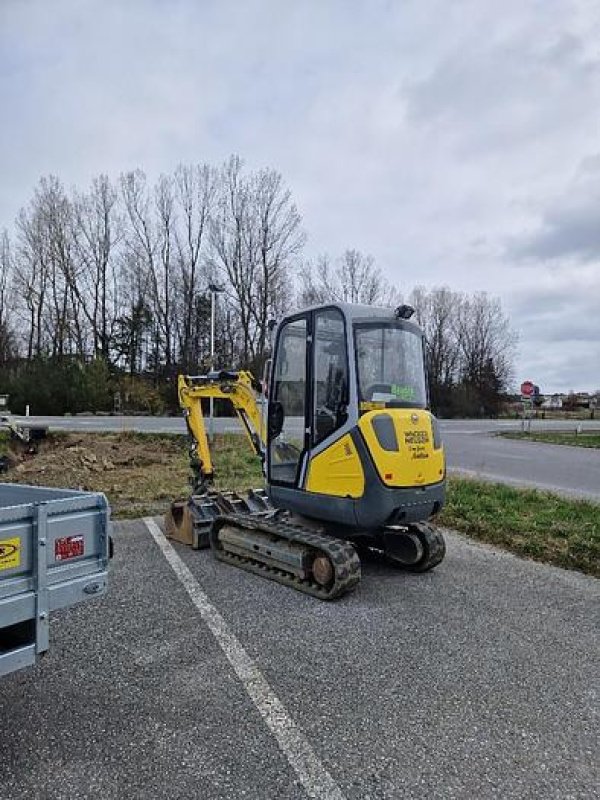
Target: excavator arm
[189,520]
[243,392]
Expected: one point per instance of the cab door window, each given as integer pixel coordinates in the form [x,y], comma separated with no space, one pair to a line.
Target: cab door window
[330,392]
[287,403]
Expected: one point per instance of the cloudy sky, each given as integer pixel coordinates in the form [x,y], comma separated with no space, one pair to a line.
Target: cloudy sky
[457,142]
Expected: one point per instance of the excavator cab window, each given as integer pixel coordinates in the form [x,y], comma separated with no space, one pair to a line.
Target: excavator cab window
[330,392]
[390,366]
[287,403]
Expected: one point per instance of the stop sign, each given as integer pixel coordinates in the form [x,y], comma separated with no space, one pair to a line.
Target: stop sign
[527,389]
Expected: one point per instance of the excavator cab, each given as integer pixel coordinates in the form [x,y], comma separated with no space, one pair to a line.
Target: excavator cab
[349,436]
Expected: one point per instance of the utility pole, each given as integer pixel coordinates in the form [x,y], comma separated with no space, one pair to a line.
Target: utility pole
[214,290]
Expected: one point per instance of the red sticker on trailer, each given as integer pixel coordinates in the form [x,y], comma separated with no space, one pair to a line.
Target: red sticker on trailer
[68,547]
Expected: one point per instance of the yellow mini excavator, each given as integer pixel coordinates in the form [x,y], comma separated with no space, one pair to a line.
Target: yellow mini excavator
[352,458]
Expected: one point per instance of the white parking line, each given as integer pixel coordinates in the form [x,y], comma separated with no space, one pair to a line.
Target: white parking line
[314,777]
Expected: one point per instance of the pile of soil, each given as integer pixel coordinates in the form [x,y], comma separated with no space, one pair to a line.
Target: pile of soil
[139,473]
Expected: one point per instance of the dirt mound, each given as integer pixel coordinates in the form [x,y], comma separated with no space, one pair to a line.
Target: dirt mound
[139,473]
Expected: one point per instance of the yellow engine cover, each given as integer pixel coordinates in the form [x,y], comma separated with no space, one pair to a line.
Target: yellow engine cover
[337,471]
[412,460]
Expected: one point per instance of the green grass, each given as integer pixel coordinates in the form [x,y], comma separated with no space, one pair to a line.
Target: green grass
[530,523]
[583,439]
[4,443]
[235,464]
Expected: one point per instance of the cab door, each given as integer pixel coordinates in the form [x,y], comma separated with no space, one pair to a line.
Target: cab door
[288,403]
[329,384]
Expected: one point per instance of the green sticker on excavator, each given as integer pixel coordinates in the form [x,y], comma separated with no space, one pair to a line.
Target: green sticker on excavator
[10,553]
[405,393]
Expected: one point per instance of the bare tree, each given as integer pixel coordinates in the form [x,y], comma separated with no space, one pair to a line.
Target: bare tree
[229,257]
[44,272]
[194,196]
[31,274]
[487,346]
[7,345]
[162,269]
[148,247]
[123,271]
[97,231]
[436,313]
[255,236]
[275,240]
[353,278]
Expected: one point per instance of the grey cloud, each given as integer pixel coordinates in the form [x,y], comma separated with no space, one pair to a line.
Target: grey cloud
[565,330]
[500,91]
[570,226]
[574,232]
[572,299]
[562,368]
[560,326]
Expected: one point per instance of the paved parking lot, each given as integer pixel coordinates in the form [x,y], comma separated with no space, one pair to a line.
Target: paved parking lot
[478,680]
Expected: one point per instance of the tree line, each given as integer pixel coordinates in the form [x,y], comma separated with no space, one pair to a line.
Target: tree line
[469,342]
[106,291]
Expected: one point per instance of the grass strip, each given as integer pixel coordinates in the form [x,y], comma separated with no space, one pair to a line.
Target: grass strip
[583,439]
[539,525]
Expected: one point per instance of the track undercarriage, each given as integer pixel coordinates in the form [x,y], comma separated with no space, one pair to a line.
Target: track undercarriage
[248,532]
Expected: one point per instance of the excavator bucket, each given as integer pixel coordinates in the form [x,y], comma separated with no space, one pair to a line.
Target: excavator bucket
[178,522]
[189,521]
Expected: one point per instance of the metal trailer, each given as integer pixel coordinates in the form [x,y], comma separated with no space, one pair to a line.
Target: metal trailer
[55,547]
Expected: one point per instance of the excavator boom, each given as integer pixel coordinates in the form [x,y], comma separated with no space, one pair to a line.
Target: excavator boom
[243,392]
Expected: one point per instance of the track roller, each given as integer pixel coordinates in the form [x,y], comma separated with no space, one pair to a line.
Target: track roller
[288,553]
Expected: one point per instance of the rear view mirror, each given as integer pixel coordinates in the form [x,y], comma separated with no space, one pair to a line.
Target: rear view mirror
[275,419]
[266,376]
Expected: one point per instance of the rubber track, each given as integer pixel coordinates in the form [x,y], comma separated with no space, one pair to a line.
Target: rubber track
[434,548]
[343,556]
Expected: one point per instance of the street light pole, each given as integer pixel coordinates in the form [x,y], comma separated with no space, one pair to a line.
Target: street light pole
[214,289]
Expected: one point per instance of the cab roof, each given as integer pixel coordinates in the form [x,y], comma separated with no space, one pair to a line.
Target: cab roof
[355,313]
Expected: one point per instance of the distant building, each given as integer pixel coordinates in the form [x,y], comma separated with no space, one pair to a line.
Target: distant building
[552,401]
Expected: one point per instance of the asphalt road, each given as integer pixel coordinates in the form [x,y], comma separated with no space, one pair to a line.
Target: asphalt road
[471,448]
[477,452]
[478,680]
[176,424]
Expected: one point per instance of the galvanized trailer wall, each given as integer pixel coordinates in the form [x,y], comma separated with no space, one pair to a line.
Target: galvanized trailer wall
[54,552]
